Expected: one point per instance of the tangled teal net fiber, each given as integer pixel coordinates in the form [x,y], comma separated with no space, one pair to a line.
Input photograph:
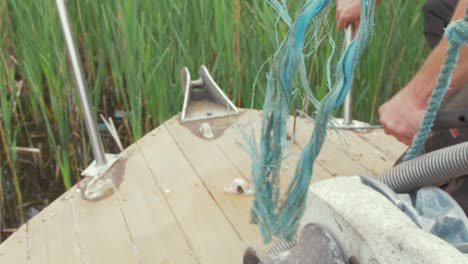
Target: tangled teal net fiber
[279,216]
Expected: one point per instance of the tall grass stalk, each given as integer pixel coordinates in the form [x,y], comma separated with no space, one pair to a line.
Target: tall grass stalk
[132,53]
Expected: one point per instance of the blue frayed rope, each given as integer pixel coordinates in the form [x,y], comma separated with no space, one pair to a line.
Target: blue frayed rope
[277,217]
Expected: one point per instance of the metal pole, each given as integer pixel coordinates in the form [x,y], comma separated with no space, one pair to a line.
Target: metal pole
[90,121]
[348,104]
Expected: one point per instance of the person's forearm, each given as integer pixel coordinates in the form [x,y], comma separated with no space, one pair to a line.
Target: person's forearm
[425,80]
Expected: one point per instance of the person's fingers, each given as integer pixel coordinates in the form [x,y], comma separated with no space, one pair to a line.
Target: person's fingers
[400,118]
[343,22]
[347,12]
[394,129]
[340,23]
[338,15]
[405,140]
[341,16]
[356,28]
[386,130]
[383,122]
[399,132]
[381,111]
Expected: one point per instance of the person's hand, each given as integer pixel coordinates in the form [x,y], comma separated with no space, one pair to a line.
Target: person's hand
[401,116]
[347,12]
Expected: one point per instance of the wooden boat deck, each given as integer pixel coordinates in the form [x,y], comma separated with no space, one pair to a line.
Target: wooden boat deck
[171,206]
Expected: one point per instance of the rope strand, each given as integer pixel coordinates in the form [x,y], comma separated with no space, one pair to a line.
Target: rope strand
[280,217]
[456,35]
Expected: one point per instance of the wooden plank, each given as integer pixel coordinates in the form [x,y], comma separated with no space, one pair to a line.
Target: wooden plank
[216,172]
[153,227]
[368,155]
[230,143]
[210,235]
[374,159]
[332,157]
[102,230]
[251,121]
[51,235]
[387,144]
[15,248]
[319,173]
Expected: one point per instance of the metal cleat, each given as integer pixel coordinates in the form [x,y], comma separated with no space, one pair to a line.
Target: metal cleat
[203,99]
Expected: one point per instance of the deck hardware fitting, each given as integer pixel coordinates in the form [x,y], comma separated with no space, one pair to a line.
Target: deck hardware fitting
[239,186]
[206,131]
[93,170]
[203,99]
[98,188]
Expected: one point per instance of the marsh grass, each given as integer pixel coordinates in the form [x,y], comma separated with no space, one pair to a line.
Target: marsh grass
[132,53]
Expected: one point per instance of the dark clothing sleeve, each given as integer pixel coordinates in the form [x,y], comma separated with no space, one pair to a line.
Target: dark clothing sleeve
[437,15]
